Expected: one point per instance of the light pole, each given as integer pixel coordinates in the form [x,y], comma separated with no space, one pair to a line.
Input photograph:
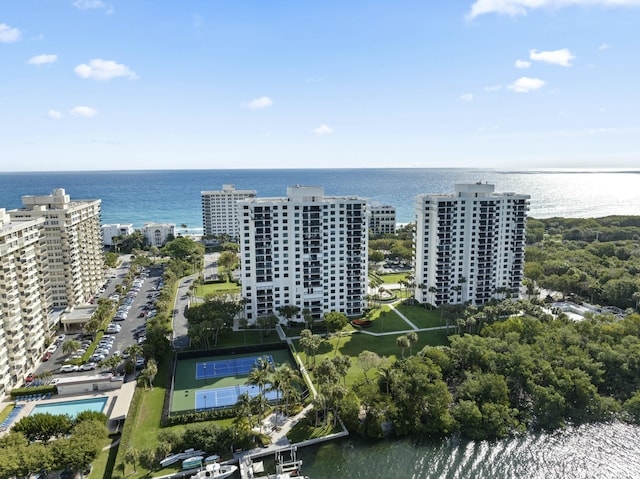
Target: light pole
[205,373]
[205,402]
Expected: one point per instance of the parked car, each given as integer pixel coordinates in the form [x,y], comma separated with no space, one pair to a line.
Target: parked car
[88,366]
[52,349]
[30,378]
[68,368]
[60,338]
[47,356]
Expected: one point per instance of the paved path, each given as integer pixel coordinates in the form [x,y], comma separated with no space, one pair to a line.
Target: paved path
[179,321]
[406,320]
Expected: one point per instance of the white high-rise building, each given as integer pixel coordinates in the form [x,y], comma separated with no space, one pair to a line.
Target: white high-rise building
[383,219]
[220,210]
[306,250]
[469,245]
[24,299]
[74,244]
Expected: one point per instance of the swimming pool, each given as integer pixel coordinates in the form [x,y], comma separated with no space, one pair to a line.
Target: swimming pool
[72,408]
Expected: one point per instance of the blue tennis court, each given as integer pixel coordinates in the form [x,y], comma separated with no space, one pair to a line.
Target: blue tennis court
[225,397]
[228,367]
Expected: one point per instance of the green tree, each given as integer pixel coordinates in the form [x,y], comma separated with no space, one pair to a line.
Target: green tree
[289,311]
[413,338]
[132,456]
[368,360]
[149,373]
[335,322]
[70,346]
[403,342]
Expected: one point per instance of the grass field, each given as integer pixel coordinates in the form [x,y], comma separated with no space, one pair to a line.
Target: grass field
[216,288]
[385,346]
[393,278]
[420,316]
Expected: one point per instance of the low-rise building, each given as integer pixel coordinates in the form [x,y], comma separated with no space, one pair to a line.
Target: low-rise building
[110,231]
[157,234]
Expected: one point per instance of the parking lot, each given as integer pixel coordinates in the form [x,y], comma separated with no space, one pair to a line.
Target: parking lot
[127,328]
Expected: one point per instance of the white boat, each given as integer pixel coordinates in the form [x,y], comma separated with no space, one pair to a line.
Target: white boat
[215,471]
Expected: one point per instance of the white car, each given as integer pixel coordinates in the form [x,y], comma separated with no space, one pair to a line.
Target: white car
[52,349]
[88,367]
[68,368]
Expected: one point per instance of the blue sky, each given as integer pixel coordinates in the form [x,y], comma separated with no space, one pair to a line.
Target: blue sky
[138,84]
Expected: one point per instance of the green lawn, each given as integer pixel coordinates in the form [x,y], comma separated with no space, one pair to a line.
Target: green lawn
[5,412]
[353,344]
[102,466]
[216,288]
[248,337]
[420,316]
[393,278]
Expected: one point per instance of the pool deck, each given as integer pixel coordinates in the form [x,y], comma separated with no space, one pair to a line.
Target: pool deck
[118,401]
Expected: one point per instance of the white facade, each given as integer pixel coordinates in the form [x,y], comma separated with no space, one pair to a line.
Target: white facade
[73,242]
[383,219]
[306,250]
[23,298]
[220,210]
[469,245]
[116,229]
[157,234]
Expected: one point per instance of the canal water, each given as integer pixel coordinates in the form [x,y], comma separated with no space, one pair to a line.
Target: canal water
[597,451]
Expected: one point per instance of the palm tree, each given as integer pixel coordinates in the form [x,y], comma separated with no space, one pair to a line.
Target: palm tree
[387,374]
[131,457]
[413,338]
[433,290]
[110,363]
[149,372]
[70,346]
[92,326]
[243,408]
[403,343]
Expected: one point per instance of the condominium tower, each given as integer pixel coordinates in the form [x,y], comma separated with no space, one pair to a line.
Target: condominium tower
[469,245]
[73,241]
[383,219]
[307,250]
[23,298]
[220,211]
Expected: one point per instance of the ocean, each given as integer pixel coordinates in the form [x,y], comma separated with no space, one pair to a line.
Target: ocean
[173,196]
[592,451]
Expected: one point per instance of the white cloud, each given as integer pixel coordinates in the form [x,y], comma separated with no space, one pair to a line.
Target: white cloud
[522,64]
[556,57]
[493,88]
[42,59]
[54,114]
[8,34]
[84,111]
[322,130]
[604,46]
[93,5]
[522,7]
[526,84]
[99,69]
[262,102]
[466,96]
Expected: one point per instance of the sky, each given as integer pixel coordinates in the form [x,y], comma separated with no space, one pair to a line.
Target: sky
[208,84]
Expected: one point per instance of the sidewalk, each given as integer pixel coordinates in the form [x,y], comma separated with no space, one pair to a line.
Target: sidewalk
[276,427]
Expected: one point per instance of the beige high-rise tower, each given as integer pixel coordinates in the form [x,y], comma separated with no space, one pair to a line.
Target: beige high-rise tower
[73,241]
[23,298]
